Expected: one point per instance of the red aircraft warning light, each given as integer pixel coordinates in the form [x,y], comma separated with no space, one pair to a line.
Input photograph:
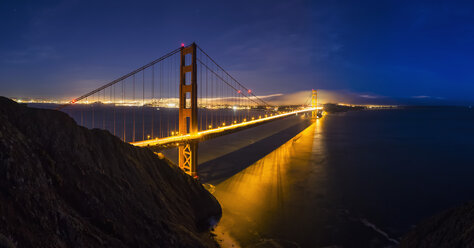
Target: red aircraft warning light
[239,91]
[250,91]
[182,44]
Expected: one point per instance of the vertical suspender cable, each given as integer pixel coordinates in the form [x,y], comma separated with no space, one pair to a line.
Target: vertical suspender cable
[207,100]
[143,105]
[123,111]
[103,110]
[86,108]
[213,101]
[161,99]
[200,89]
[92,110]
[114,107]
[173,84]
[169,96]
[152,101]
[134,107]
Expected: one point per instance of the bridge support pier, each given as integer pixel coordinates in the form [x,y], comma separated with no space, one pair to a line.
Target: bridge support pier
[188,121]
[314,103]
[188,158]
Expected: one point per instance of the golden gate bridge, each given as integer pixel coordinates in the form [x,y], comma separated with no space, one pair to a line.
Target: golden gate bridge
[157,105]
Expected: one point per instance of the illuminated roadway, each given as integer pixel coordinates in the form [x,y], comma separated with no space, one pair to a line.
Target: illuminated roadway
[215,131]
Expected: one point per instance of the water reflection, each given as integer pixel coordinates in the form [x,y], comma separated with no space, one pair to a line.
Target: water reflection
[274,196]
[358,179]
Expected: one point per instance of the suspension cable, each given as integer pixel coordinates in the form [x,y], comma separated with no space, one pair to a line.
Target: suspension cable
[120,78]
[217,75]
[249,91]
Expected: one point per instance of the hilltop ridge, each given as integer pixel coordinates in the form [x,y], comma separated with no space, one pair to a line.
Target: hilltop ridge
[62,185]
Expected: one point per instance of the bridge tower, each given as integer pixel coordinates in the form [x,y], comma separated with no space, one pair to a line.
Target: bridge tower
[314,103]
[188,118]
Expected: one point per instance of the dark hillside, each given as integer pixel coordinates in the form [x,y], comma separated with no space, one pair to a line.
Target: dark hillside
[62,185]
[451,228]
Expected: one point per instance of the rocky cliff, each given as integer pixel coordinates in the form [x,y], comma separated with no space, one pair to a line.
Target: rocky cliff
[62,185]
[451,228]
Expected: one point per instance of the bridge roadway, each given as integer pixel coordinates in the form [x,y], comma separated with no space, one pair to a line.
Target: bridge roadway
[215,132]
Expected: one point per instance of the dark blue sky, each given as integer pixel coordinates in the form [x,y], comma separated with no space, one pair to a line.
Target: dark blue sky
[376,50]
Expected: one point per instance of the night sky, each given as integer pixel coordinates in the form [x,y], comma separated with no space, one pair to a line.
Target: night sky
[379,51]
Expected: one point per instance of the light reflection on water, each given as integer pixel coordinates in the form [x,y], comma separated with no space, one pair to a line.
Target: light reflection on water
[356,179]
[263,200]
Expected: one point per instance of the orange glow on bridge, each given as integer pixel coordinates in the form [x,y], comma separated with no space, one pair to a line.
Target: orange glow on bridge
[201,134]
